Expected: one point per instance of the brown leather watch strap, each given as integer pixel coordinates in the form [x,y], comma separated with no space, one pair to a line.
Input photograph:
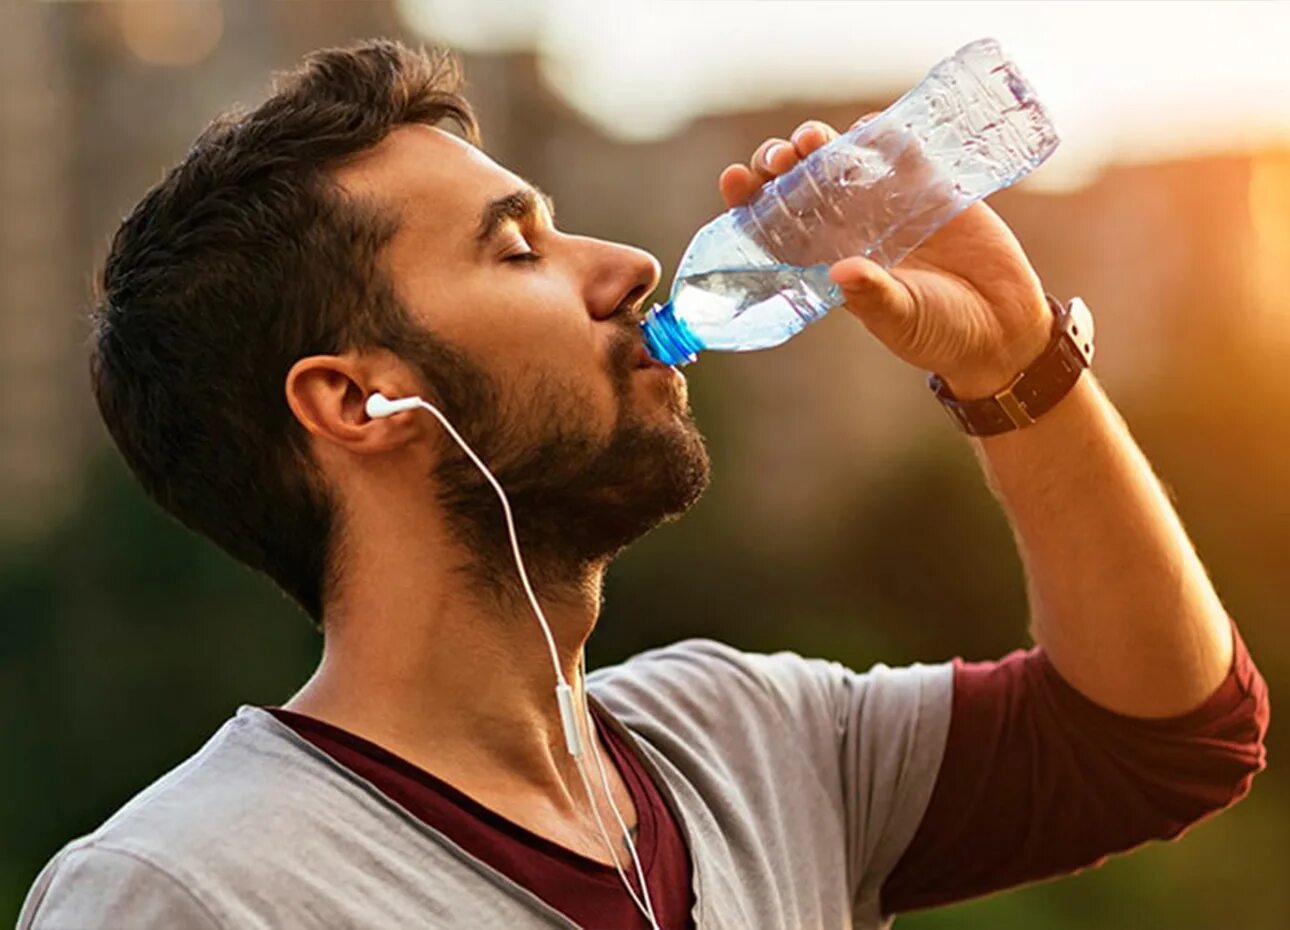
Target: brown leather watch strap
[1036,390]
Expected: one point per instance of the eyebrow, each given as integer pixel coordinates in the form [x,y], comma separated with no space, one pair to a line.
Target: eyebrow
[513,206]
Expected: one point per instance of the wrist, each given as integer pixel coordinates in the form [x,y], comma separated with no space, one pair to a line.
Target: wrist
[981,406]
[987,378]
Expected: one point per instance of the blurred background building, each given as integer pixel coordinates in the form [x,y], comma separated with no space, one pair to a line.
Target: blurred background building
[846,517]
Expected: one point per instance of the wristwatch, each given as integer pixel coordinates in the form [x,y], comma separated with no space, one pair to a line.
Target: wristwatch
[1036,390]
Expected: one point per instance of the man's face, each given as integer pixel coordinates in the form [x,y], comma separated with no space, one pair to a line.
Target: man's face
[531,346]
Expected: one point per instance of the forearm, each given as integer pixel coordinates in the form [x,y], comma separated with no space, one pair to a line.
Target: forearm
[1119,599]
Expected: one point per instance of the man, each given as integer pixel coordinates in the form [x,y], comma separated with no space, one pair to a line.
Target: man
[334,244]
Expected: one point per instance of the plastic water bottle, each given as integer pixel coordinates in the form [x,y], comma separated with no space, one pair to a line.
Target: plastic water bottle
[758,274]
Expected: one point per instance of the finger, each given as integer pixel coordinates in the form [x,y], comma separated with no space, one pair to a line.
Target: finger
[773,157]
[737,185]
[864,119]
[811,135]
[769,155]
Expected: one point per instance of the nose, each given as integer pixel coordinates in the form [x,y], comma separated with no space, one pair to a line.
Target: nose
[619,279]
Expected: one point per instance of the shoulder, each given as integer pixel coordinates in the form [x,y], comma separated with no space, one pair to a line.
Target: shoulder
[698,679]
[704,683]
[243,772]
[705,668]
[703,664]
[163,850]
[95,885]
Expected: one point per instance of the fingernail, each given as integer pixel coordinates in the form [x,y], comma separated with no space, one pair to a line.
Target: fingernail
[772,152]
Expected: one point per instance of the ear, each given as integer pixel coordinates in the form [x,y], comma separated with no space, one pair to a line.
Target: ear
[327,394]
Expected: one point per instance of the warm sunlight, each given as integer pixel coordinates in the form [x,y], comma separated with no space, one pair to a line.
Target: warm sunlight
[1126,80]
[1269,256]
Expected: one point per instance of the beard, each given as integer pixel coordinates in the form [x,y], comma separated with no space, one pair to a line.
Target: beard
[578,498]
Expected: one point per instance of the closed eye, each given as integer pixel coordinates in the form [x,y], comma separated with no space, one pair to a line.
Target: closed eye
[523,257]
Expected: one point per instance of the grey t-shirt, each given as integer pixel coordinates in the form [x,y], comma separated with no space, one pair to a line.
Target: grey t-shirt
[797,783]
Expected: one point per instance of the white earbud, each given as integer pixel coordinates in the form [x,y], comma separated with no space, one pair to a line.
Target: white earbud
[379,406]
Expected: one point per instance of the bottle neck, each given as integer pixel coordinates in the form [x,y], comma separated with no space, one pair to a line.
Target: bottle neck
[668,339]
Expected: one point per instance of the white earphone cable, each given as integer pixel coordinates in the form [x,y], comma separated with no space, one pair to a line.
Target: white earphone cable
[647,908]
[510,527]
[604,781]
[380,406]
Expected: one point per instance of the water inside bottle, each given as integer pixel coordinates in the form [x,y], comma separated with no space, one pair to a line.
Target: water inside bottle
[743,308]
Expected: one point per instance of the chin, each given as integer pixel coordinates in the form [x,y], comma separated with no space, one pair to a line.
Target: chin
[685,468]
[662,472]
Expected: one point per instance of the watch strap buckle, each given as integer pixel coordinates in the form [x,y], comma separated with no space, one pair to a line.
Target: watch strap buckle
[1012,406]
[1037,389]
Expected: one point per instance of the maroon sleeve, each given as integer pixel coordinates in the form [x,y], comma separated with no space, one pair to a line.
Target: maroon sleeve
[1037,780]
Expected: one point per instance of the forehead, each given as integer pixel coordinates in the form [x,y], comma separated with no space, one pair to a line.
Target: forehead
[436,182]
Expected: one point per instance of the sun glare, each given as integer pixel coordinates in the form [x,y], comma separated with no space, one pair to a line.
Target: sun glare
[1125,80]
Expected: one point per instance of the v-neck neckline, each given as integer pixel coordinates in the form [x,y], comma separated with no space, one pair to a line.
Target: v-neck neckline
[640,750]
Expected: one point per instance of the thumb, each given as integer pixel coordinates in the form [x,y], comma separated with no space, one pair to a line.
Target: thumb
[871,293]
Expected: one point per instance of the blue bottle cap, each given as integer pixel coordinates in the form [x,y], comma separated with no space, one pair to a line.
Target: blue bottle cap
[668,339]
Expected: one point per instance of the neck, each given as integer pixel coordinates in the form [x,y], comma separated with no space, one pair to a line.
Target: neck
[459,683]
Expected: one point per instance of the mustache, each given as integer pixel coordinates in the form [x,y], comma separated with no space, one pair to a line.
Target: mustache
[624,345]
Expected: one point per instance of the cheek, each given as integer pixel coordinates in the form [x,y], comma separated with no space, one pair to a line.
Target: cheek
[557,377]
[580,397]
[535,335]
[531,315]
[541,353]
[549,331]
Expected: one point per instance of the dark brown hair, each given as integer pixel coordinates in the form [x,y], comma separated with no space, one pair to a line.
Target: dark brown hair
[243,259]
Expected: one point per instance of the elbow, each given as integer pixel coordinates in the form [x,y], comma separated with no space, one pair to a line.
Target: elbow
[1251,735]
[1249,726]
[1226,758]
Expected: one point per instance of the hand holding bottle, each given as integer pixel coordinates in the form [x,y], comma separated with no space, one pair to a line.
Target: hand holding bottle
[965,304]
[882,220]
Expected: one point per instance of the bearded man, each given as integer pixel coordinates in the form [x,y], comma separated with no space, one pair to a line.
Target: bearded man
[334,244]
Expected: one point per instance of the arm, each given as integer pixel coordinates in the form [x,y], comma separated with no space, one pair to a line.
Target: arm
[1139,714]
[1140,711]
[1038,781]
[1119,600]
